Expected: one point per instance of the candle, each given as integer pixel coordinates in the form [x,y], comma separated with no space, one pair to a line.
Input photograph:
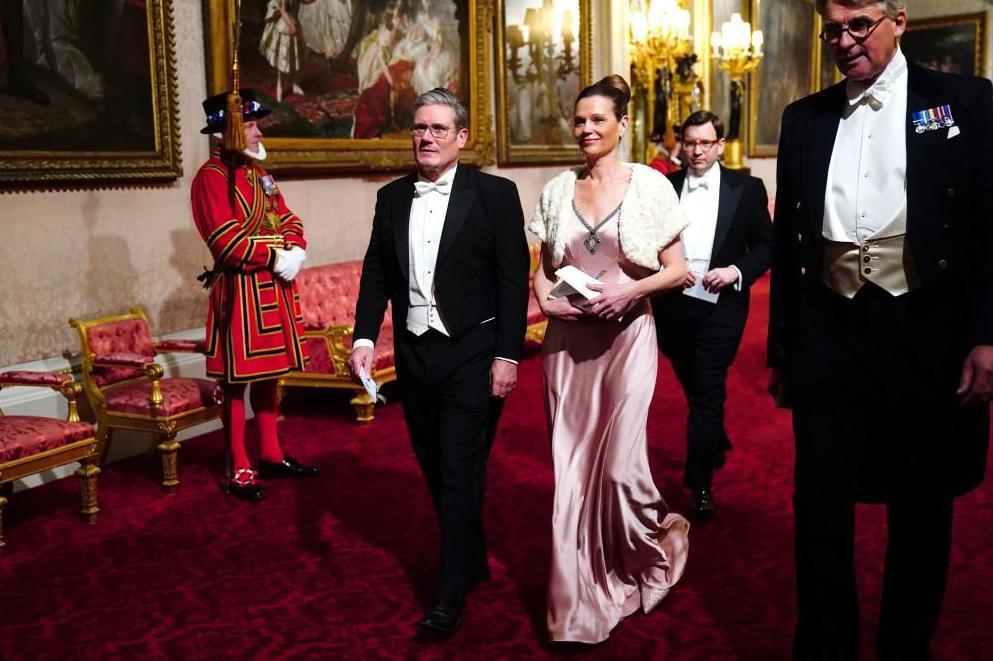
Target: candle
[715,44]
[757,42]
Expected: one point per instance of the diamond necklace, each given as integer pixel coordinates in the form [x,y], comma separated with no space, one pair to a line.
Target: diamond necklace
[593,240]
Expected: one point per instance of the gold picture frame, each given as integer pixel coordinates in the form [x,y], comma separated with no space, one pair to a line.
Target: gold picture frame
[523,137]
[790,68]
[326,153]
[108,113]
[956,44]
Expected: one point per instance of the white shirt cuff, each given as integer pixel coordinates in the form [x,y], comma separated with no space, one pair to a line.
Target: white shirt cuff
[363,342]
[737,284]
[506,360]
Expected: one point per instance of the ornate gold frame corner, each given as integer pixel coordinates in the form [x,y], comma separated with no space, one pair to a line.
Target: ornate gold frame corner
[315,156]
[979,19]
[164,163]
[511,154]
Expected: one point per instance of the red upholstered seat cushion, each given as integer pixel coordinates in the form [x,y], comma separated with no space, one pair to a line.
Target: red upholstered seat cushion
[178,396]
[320,359]
[35,378]
[26,435]
[128,336]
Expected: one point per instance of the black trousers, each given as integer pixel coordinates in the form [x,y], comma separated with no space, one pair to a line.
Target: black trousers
[701,340]
[452,419]
[873,404]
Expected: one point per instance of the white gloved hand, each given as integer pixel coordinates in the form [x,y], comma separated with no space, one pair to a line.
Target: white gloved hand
[289,262]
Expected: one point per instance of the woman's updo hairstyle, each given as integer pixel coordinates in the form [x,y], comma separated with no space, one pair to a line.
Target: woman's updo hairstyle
[612,87]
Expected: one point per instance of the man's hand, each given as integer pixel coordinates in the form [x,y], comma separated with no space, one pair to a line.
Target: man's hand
[718,279]
[976,384]
[503,378]
[779,388]
[289,262]
[360,358]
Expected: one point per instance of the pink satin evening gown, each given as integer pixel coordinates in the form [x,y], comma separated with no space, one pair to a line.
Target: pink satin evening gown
[615,544]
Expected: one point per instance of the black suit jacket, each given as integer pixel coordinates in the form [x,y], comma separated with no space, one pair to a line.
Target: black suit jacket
[743,237]
[483,260]
[949,204]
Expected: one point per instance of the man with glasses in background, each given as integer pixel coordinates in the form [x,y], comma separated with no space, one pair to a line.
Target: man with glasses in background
[728,245]
[448,250]
[881,322]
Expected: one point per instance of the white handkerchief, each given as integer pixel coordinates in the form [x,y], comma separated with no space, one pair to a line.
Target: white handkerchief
[952,132]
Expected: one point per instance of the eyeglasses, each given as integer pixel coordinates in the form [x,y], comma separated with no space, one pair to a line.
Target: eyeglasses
[706,145]
[858,29]
[440,131]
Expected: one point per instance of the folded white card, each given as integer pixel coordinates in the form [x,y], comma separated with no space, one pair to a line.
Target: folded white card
[699,267]
[370,386]
[573,283]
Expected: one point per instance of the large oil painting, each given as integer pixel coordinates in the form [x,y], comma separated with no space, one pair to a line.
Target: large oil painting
[341,76]
[954,44]
[790,68]
[87,92]
[544,58]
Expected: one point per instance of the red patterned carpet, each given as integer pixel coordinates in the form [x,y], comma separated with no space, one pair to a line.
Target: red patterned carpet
[340,566]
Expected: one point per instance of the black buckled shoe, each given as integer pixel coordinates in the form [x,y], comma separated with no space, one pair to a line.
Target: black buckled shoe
[288,467]
[243,485]
[703,504]
[444,617]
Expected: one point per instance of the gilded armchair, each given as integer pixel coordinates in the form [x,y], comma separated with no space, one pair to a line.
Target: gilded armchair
[127,390]
[31,444]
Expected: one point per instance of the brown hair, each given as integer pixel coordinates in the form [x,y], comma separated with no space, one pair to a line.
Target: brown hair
[612,87]
[703,117]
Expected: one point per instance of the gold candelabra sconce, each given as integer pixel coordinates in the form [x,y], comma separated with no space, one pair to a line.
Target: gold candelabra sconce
[662,68]
[737,50]
[538,36]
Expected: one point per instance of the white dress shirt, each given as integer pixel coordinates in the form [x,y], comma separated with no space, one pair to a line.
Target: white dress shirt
[427,220]
[699,201]
[867,178]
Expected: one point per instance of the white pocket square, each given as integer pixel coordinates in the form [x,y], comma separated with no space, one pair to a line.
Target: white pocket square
[952,132]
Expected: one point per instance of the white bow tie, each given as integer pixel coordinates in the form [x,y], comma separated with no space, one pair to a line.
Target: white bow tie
[693,183]
[425,187]
[875,95]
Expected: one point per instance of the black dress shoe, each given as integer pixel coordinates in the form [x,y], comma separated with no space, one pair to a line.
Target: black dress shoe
[703,504]
[444,617]
[244,486]
[288,467]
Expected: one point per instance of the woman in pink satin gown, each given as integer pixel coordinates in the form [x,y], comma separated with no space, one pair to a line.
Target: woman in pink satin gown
[616,547]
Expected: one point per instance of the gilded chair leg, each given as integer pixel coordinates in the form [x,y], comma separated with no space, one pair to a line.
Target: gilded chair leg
[279,400]
[87,474]
[169,450]
[364,406]
[104,436]
[3,503]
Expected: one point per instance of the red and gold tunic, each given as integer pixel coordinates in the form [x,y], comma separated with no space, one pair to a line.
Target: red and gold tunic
[254,323]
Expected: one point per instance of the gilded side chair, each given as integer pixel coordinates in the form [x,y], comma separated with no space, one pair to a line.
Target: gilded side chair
[127,390]
[31,444]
